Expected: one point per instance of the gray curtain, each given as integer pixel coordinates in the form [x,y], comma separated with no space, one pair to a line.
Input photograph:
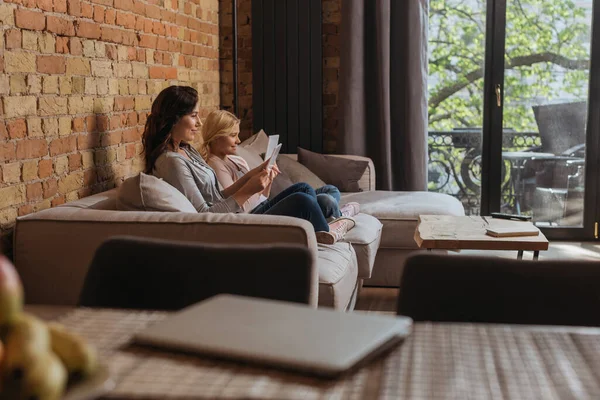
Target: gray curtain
[383,88]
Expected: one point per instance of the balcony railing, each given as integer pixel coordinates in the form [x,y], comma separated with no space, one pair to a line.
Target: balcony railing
[455,164]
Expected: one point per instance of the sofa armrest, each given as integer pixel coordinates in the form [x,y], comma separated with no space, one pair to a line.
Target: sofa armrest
[367,181]
[53,248]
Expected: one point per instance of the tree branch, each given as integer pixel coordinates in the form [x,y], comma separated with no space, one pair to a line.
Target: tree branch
[515,62]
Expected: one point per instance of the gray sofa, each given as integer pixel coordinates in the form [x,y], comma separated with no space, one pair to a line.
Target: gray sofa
[53,248]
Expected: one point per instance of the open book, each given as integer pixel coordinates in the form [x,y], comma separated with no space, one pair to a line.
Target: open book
[273,142]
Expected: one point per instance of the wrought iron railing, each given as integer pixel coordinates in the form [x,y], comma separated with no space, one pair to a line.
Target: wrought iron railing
[455,164]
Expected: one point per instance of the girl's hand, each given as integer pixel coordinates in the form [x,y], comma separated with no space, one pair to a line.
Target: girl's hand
[258,169]
[274,172]
[258,182]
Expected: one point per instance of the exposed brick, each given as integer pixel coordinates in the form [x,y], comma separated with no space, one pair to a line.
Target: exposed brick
[7,151]
[63,145]
[17,128]
[60,6]
[32,20]
[111,139]
[45,168]
[19,61]
[88,141]
[75,46]
[148,41]
[12,195]
[30,170]
[51,64]
[88,30]
[50,188]
[124,103]
[53,106]
[99,14]
[13,39]
[57,201]
[3,131]
[20,106]
[87,10]
[74,7]
[62,45]
[78,66]
[25,209]
[70,182]
[78,125]
[34,191]
[31,148]
[11,173]
[60,26]
[74,161]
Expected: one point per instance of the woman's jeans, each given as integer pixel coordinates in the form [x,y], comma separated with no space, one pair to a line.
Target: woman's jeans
[300,201]
[328,198]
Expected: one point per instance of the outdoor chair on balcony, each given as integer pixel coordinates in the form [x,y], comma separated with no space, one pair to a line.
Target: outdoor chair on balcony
[546,169]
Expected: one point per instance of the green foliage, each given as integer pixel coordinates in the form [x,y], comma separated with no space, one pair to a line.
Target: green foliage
[547,55]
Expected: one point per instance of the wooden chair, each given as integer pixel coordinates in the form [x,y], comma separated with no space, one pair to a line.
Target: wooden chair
[141,273]
[498,290]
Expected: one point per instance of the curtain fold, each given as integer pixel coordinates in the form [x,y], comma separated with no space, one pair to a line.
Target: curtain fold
[383,89]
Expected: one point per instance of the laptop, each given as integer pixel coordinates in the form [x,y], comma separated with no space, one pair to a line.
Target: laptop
[279,334]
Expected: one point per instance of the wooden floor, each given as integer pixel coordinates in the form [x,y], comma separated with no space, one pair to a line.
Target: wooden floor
[384,299]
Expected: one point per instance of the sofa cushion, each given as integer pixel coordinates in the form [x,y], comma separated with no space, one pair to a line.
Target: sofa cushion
[298,172]
[399,212]
[149,193]
[338,272]
[365,238]
[344,173]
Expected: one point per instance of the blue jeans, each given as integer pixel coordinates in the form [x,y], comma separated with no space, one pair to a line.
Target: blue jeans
[328,198]
[300,201]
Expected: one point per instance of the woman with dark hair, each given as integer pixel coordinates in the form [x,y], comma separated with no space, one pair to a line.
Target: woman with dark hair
[172,125]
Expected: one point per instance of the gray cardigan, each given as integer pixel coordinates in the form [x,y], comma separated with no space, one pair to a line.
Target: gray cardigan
[195,179]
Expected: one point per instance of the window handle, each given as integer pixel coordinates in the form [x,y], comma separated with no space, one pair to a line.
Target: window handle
[498,95]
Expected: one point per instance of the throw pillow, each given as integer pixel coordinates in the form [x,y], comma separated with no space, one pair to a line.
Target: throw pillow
[298,172]
[341,172]
[253,159]
[257,143]
[149,193]
[281,181]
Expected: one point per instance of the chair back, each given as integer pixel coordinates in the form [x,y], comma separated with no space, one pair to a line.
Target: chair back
[561,126]
[142,273]
[498,290]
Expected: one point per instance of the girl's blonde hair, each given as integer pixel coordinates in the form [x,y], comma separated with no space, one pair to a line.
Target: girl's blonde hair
[218,123]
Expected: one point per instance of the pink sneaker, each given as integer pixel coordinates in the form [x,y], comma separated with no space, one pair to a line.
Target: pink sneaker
[350,209]
[337,230]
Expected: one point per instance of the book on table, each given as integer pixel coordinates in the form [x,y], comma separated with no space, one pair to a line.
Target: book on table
[514,231]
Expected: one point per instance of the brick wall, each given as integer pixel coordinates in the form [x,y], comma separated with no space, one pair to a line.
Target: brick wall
[77,79]
[331,62]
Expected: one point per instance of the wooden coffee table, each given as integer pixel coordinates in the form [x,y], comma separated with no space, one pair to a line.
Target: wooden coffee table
[468,233]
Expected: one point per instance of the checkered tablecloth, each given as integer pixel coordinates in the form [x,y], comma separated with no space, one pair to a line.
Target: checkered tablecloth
[438,361]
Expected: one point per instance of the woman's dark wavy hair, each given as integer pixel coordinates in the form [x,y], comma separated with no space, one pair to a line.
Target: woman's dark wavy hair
[167,109]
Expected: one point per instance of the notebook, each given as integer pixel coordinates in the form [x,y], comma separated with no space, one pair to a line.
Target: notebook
[527,230]
[285,335]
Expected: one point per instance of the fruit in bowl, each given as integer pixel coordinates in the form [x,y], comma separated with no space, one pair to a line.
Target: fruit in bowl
[38,360]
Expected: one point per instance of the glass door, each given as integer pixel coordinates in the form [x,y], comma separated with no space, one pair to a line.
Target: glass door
[543,99]
[457,53]
[509,95]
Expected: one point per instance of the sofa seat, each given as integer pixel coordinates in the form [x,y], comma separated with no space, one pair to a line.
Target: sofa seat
[338,272]
[399,213]
[365,239]
[54,247]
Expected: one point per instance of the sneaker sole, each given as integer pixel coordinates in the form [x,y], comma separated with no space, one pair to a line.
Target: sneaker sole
[324,238]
